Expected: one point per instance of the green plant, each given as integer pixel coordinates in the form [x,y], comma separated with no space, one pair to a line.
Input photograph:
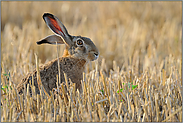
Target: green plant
[133,87]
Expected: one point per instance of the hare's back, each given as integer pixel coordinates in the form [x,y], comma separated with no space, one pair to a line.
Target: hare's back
[73,68]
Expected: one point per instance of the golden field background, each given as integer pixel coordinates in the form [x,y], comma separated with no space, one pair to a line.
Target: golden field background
[139,42]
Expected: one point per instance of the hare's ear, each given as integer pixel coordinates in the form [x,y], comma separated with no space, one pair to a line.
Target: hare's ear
[57,27]
[52,39]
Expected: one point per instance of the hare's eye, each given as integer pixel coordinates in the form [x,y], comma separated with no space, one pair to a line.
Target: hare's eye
[79,42]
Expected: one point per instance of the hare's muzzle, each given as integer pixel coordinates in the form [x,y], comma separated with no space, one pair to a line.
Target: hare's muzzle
[93,55]
[96,55]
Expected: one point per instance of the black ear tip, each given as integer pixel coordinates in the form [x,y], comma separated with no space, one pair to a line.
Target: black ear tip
[38,42]
[43,42]
[48,15]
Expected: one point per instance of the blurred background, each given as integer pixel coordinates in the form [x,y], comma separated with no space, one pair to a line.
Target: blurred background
[137,35]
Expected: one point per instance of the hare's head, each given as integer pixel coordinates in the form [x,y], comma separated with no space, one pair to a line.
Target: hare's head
[76,46]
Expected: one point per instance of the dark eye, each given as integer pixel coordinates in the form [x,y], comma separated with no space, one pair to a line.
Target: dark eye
[79,42]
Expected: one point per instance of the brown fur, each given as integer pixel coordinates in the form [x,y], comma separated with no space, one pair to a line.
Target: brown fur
[73,68]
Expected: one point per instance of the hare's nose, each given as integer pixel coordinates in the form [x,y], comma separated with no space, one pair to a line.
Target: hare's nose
[96,54]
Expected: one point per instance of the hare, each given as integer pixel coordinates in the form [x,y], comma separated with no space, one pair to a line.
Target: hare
[78,51]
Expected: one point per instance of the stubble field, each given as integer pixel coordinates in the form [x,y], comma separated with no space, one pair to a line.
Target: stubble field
[137,77]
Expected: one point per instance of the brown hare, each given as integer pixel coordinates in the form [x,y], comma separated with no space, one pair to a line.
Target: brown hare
[78,51]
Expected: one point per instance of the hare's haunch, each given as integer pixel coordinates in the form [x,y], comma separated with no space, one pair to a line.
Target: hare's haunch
[78,51]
